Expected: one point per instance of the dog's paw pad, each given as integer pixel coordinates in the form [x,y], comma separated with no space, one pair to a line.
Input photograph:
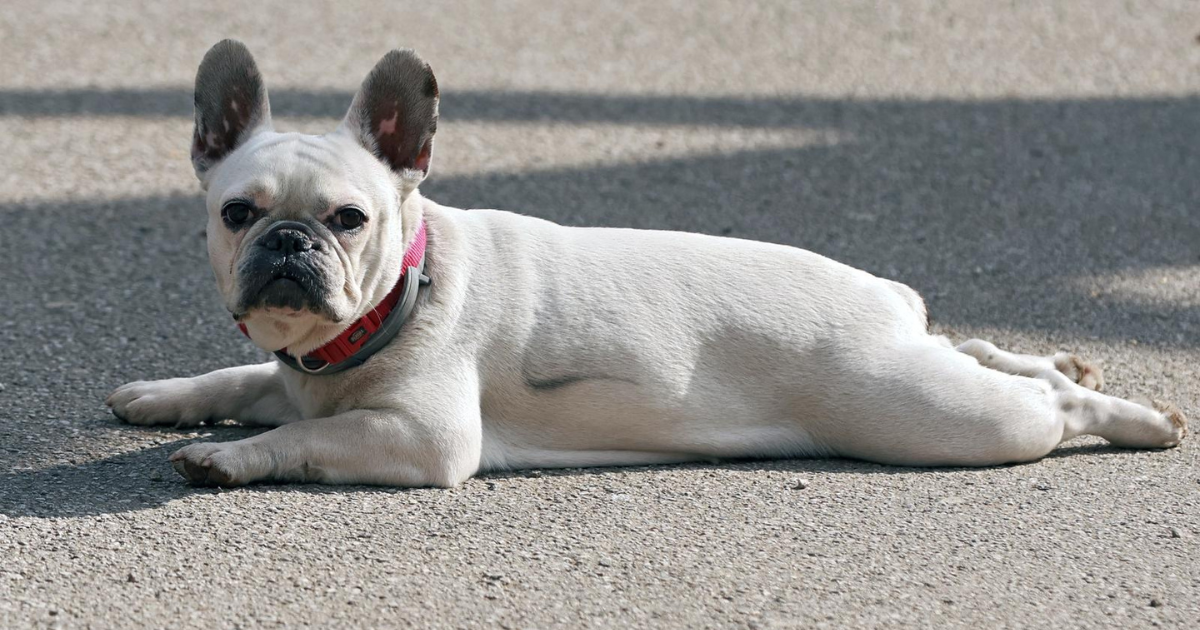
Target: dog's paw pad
[1085,374]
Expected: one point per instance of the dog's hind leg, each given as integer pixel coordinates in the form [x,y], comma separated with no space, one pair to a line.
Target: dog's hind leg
[928,405]
[988,355]
[1124,423]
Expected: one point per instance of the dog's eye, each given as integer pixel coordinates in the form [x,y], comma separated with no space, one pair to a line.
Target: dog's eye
[235,214]
[349,218]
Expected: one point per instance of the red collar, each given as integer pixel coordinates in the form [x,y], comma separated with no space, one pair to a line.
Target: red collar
[372,331]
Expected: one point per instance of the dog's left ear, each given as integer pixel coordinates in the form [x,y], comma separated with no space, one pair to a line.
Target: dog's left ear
[394,115]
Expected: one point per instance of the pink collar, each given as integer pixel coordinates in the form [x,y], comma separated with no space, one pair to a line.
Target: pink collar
[371,332]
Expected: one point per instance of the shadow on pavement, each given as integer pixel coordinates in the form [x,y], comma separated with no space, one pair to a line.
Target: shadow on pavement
[481,106]
[128,482]
[143,479]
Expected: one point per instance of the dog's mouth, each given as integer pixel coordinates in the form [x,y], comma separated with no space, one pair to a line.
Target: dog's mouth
[284,277]
[286,289]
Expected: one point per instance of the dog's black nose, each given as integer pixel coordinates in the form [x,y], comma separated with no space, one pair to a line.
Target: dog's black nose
[289,237]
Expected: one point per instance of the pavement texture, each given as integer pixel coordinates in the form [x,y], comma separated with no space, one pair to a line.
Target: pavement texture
[1032,168]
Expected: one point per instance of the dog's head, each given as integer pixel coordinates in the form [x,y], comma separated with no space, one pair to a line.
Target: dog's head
[305,232]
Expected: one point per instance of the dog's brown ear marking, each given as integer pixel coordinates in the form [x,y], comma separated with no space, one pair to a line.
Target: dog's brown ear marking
[394,115]
[231,104]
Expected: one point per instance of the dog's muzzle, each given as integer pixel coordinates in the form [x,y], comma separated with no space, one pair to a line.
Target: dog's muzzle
[287,266]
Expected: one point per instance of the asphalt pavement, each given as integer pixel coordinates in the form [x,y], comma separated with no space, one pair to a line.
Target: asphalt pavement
[1032,168]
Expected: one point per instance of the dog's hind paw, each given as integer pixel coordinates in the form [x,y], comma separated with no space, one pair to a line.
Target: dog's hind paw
[1178,420]
[1173,424]
[1086,374]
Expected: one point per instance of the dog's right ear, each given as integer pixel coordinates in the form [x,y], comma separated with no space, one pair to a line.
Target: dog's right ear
[231,104]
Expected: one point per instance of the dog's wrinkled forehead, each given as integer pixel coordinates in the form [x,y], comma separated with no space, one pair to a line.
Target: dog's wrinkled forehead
[292,173]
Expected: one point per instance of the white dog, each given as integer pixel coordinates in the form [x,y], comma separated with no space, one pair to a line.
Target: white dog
[418,344]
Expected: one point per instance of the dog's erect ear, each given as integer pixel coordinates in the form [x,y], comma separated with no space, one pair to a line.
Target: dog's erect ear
[231,104]
[394,115]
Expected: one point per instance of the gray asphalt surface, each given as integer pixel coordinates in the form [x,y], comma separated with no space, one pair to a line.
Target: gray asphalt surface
[1032,168]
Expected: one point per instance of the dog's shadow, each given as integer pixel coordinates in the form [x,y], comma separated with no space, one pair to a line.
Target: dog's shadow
[143,479]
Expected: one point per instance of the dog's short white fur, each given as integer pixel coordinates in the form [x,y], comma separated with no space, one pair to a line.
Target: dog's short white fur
[538,345]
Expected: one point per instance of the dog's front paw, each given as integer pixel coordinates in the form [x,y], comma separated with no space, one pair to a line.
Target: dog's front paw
[225,464]
[172,402]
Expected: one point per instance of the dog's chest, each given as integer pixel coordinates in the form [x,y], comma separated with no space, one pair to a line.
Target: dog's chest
[315,396]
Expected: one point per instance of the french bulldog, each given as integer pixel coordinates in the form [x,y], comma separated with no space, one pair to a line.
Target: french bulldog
[417,345]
